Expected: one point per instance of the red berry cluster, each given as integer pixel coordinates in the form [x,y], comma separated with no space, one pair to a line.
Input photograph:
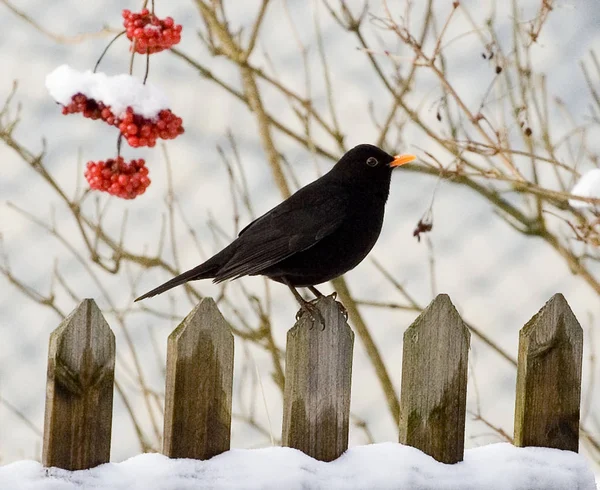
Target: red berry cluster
[124,180]
[148,33]
[89,108]
[140,131]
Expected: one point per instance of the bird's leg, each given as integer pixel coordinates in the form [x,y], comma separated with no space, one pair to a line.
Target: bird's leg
[310,308]
[319,294]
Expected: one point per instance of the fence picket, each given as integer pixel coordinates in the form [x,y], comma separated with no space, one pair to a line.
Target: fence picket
[318,375]
[79,391]
[434,382]
[199,384]
[316,405]
[549,378]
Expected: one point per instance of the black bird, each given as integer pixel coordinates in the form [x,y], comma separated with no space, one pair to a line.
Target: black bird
[322,231]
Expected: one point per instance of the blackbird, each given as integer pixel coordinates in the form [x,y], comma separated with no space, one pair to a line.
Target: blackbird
[322,231]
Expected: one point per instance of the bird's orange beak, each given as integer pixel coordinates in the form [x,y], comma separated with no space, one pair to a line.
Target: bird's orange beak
[401,160]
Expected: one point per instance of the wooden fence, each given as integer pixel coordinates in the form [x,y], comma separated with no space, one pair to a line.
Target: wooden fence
[197,422]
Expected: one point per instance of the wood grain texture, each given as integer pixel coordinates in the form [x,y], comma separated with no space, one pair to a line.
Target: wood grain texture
[434,382]
[79,391]
[199,383]
[318,378]
[549,378]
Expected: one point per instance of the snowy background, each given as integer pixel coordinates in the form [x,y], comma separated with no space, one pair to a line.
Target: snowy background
[497,279]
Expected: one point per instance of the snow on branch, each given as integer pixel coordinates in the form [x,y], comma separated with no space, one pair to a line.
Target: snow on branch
[587,186]
[117,91]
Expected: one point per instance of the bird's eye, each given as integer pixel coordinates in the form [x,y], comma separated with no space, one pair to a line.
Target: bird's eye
[372,161]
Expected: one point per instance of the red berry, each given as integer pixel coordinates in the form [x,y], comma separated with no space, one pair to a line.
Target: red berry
[125,180]
[140,131]
[148,33]
[90,108]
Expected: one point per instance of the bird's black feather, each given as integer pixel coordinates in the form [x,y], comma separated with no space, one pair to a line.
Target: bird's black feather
[320,232]
[296,224]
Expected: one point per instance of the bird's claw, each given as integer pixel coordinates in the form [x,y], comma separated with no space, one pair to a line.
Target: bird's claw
[341,306]
[343,310]
[314,313]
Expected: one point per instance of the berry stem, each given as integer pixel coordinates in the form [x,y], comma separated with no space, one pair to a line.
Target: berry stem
[147,67]
[106,49]
[146,4]
[119,140]
[132,57]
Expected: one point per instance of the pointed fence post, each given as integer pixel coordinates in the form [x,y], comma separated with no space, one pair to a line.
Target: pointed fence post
[549,378]
[79,391]
[318,376]
[434,382]
[199,385]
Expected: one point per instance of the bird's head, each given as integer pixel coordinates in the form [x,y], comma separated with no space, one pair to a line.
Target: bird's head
[368,166]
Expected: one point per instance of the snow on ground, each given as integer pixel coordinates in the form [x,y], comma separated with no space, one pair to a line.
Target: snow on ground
[117,91]
[376,466]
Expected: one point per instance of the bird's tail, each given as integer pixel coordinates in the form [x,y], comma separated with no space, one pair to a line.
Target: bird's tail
[206,270]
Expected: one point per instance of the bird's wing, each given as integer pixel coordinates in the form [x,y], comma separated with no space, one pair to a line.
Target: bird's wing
[296,224]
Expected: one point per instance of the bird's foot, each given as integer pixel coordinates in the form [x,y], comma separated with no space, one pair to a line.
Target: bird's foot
[313,311]
[343,309]
[334,297]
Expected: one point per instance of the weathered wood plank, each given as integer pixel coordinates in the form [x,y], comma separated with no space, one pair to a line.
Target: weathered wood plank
[318,375]
[199,384]
[549,378]
[434,382]
[79,391]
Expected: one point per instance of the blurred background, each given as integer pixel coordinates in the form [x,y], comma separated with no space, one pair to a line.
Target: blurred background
[499,100]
